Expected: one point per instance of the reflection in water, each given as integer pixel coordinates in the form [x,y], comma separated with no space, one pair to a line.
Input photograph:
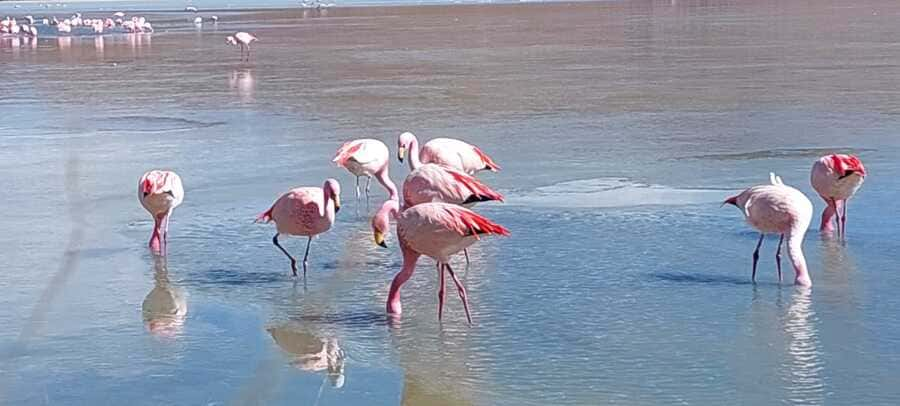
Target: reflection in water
[98,45]
[64,43]
[804,368]
[242,82]
[417,392]
[165,307]
[313,352]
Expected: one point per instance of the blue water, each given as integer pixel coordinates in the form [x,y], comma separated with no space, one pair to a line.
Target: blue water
[620,128]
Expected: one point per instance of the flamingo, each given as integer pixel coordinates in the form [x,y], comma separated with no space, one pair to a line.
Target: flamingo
[160,192]
[242,38]
[304,211]
[215,19]
[437,230]
[191,9]
[198,21]
[436,183]
[367,157]
[836,178]
[779,209]
[449,152]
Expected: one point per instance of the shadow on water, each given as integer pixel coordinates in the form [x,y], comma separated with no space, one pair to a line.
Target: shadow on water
[707,279]
[235,277]
[778,153]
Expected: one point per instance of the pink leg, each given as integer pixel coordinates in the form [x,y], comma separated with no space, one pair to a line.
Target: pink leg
[778,257]
[165,234]
[828,216]
[462,292]
[155,237]
[440,268]
[756,257]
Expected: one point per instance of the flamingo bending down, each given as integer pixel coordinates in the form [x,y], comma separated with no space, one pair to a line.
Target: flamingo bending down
[779,209]
[436,230]
[160,192]
[449,152]
[304,211]
[243,39]
[836,178]
[367,157]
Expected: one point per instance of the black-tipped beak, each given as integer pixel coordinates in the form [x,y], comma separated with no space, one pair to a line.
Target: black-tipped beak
[382,244]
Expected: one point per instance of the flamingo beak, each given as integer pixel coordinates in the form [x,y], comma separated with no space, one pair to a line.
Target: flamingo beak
[379,239]
[337,204]
[400,153]
[731,200]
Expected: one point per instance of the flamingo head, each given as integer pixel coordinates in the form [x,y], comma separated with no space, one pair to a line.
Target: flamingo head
[846,165]
[147,187]
[333,191]
[381,221]
[404,143]
[230,40]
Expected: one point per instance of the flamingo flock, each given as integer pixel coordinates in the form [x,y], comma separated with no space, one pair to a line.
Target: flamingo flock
[434,217]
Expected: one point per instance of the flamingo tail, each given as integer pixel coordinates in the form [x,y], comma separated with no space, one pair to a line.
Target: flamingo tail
[488,162]
[480,191]
[345,152]
[469,223]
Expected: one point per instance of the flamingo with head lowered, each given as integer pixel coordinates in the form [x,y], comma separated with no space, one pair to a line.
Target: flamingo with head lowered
[243,39]
[304,211]
[778,209]
[836,178]
[367,157]
[160,192]
[448,152]
[436,230]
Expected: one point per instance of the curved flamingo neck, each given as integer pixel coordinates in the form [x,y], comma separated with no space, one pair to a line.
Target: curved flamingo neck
[383,176]
[410,258]
[328,204]
[795,251]
[414,162]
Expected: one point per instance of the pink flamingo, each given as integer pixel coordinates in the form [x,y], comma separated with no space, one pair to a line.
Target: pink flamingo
[449,152]
[243,39]
[436,183]
[160,192]
[436,230]
[304,211]
[779,209]
[367,157]
[836,178]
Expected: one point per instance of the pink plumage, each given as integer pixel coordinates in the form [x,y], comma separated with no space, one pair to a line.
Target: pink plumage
[369,158]
[778,209]
[303,211]
[435,183]
[436,230]
[448,152]
[836,178]
[160,192]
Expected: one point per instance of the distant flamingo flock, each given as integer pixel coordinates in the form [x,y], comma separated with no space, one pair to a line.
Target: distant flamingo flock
[432,216]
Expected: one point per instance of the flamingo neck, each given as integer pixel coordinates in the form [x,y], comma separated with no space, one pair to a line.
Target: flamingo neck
[410,258]
[384,178]
[795,251]
[414,162]
[328,204]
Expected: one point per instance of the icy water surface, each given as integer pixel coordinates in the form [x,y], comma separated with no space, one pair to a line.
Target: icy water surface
[620,128]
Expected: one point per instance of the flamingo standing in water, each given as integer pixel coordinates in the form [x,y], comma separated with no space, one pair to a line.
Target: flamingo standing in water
[304,211]
[243,39]
[449,152]
[836,178]
[160,192]
[367,157]
[436,230]
[778,209]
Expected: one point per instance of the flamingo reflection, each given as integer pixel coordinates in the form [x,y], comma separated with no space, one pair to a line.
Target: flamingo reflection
[312,352]
[165,307]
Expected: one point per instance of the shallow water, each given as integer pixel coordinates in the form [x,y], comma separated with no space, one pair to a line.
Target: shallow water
[620,127]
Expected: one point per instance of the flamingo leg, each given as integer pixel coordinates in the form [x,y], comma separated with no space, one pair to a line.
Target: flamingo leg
[828,215]
[837,210]
[165,234]
[778,257]
[462,292]
[440,268]
[357,189]
[756,256]
[844,219]
[305,256]
[368,186]
[155,237]
[293,260]
[466,252]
